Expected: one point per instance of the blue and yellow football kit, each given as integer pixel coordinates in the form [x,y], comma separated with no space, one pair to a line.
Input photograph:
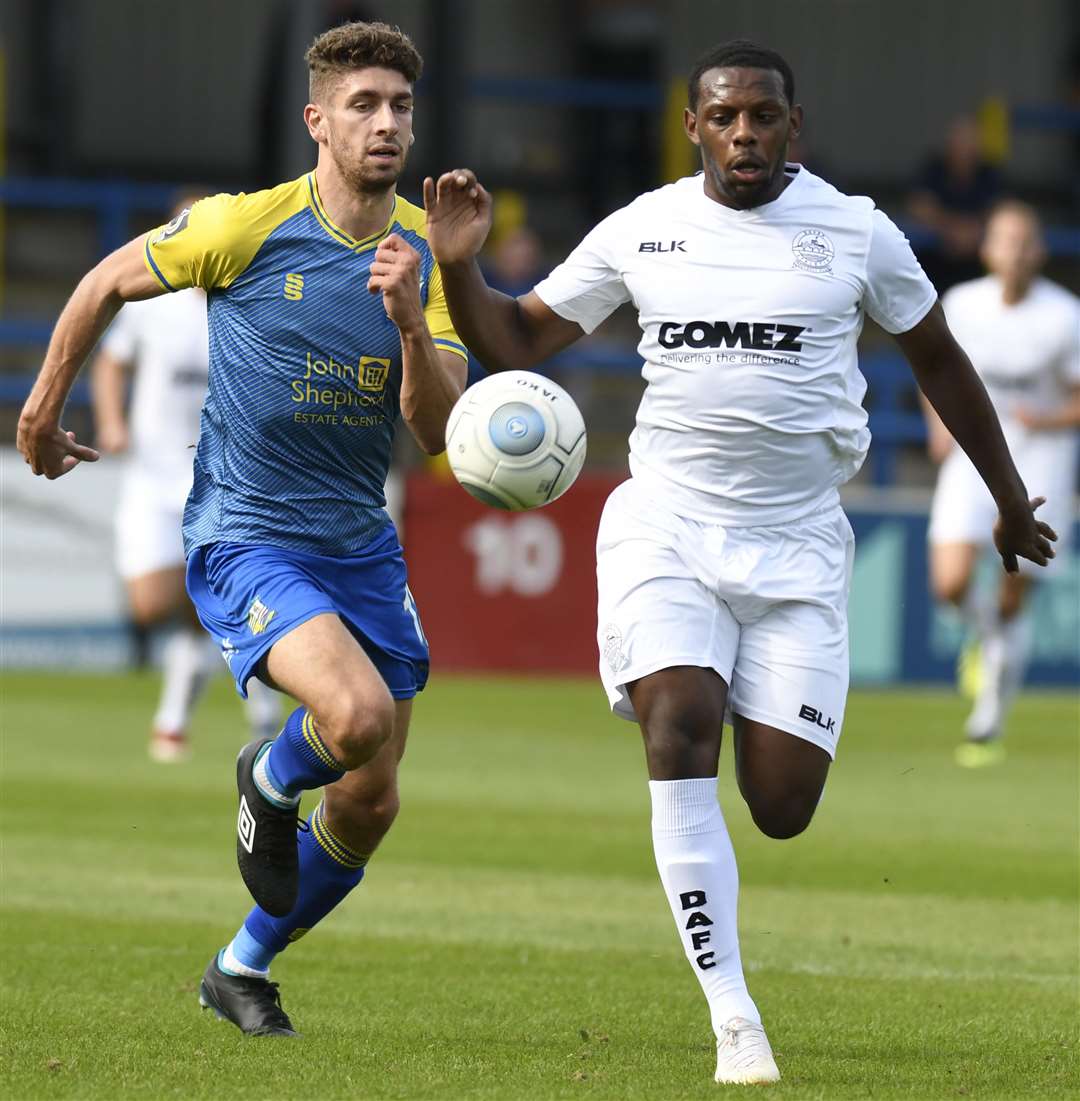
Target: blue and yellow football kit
[297,428]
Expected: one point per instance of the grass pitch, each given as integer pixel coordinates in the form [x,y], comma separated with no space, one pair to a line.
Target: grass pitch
[511,939]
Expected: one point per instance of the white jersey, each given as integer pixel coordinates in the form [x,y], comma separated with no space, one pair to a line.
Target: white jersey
[752,410]
[1026,353]
[165,340]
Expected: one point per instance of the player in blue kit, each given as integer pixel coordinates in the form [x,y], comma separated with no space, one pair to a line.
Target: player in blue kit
[327,320]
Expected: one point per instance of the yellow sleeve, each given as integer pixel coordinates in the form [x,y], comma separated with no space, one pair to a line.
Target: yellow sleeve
[210,244]
[438,317]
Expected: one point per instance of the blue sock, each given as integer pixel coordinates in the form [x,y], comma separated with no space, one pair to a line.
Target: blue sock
[329,870]
[245,950]
[296,761]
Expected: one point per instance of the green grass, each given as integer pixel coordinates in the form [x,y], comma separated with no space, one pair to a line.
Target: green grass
[511,939]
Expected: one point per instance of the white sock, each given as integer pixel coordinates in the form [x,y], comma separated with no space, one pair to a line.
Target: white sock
[230,963]
[697,868]
[1016,644]
[1004,661]
[979,610]
[263,707]
[184,676]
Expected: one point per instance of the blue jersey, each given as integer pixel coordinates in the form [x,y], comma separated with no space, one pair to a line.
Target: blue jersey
[305,367]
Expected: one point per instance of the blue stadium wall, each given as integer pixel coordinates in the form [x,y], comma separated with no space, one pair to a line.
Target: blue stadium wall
[898,635]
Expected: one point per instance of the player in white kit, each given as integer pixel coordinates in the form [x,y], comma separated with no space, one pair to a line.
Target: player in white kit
[723,564]
[163,344]
[1022,333]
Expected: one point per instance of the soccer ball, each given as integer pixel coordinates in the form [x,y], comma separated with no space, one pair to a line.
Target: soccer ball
[515,440]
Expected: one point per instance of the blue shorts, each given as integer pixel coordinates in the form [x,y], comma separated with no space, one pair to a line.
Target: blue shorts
[250,596]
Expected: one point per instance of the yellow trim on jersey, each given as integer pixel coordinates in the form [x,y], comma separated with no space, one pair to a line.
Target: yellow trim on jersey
[437,316]
[212,244]
[411,217]
[220,236]
[336,231]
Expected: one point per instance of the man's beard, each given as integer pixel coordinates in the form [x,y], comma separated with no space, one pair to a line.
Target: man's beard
[364,181]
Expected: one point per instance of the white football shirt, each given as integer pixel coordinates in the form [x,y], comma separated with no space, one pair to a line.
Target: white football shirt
[1027,353]
[752,410]
[165,341]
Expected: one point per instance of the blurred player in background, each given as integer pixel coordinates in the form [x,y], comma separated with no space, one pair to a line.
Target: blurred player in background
[161,346]
[723,564]
[954,193]
[327,319]
[1022,333]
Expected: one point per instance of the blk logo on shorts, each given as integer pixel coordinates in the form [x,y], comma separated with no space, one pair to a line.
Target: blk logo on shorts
[245,825]
[812,715]
[698,920]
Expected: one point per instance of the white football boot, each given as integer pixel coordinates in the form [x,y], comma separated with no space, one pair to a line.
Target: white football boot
[743,1054]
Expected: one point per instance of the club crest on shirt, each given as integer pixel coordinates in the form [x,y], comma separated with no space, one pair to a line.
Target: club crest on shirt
[175,226]
[813,251]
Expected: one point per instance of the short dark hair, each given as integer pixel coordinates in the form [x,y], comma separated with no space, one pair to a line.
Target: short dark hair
[360,46]
[743,54]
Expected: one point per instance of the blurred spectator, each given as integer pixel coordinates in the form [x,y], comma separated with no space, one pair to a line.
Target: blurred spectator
[515,263]
[956,189]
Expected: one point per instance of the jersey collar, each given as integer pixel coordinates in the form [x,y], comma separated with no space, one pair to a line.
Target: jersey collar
[335,231]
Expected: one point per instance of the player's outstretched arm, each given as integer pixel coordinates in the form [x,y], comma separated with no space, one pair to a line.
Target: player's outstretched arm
[956,393]
[121,277]
[505,333]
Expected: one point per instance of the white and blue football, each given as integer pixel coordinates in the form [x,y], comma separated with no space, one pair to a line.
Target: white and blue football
[515,440]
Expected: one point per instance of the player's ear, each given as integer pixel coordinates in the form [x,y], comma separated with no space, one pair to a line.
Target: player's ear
[690,125]
[315,121]
[796,114]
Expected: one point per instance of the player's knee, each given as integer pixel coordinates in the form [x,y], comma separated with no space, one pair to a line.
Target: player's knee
[682,738]
[782,818]
[356,726]
[950,588]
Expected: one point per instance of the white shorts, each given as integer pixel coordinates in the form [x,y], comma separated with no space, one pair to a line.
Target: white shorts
[765,607]
[147,528]
[964,512]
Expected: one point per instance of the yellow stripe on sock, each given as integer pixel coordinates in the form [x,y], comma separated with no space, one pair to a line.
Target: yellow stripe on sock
[332,845]
[307,728]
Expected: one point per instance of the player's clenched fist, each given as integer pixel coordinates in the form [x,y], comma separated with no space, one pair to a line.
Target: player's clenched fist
[458,215]
[395,272]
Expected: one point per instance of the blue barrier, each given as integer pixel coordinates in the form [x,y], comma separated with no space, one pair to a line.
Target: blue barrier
[898,634]
[112,200]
